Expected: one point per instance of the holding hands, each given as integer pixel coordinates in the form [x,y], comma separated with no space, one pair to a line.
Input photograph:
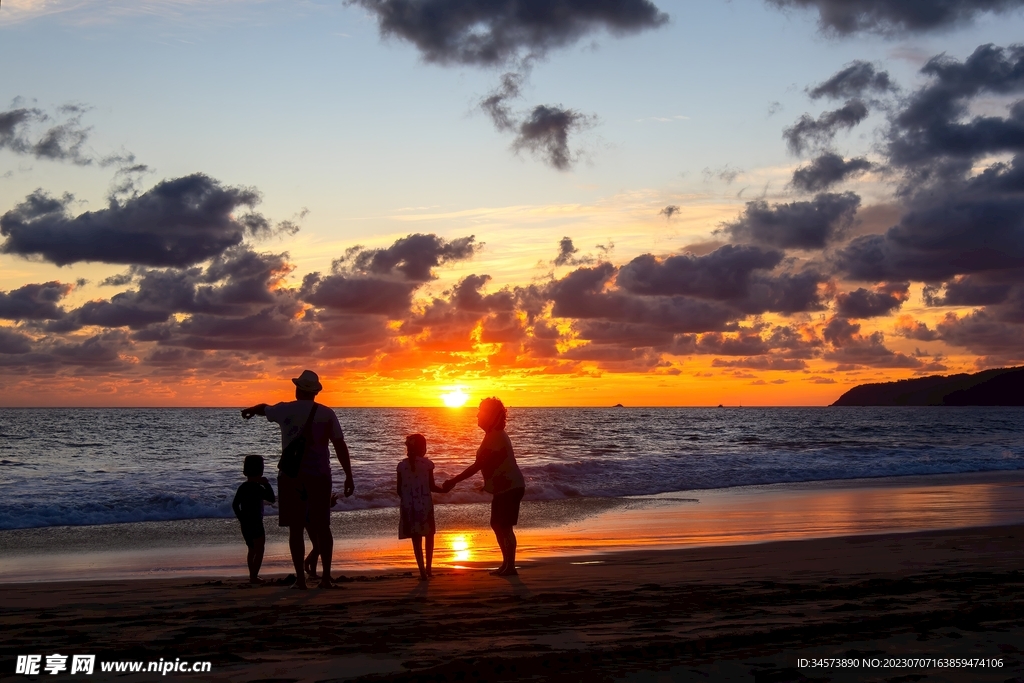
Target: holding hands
[447,486]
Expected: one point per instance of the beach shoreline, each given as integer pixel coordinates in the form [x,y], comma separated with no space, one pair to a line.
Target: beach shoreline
[738,612]
[365,539]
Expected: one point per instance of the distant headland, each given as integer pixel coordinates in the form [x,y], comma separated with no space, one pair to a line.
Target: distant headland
[999,387]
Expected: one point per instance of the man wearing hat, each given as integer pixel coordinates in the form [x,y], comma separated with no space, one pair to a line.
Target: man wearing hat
[306,498]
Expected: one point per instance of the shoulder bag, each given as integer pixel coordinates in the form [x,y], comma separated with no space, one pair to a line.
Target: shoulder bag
[291,455]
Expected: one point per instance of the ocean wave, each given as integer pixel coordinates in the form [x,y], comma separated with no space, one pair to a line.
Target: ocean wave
[177,476]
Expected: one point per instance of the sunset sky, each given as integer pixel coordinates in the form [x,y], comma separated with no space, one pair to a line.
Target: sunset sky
[560,202]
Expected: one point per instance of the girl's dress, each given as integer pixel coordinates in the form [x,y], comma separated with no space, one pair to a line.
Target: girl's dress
[417,507]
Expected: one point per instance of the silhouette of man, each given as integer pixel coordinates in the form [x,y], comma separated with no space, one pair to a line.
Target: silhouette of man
[305,499]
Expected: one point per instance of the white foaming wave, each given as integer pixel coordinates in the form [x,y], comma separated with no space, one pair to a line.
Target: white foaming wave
[157,508]
[642,475]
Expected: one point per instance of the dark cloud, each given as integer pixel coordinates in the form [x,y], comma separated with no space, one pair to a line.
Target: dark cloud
[981,333]
[810,132]
[13,342]
[64,140]
[797,225]
[849,347]
[545,132]
[955,222]
[34,302]
[894,17]
[178,222]
[496,104]
[761,363]
[961,227]
[353,294]
[738,275]
[382,281]
[864,303]
[491,32]
[747,343]
[827,170]
[581,294]
[669,211]
[933,127]
[855,80]
[968,290]
[467,297]
[567,254]
[723,274]
[622,334]
[411,258]
[907,327]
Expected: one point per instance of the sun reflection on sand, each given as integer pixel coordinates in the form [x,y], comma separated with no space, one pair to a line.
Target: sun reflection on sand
[460,549]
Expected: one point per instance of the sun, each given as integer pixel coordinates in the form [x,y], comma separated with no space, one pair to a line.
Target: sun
[455,398]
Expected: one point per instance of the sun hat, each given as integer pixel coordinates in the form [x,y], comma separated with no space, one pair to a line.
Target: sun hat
[308,381]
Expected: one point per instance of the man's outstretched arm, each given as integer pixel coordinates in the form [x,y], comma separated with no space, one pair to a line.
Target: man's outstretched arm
[341,449]
[258,409]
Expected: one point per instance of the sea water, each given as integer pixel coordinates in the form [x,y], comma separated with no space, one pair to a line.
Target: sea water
[94,466]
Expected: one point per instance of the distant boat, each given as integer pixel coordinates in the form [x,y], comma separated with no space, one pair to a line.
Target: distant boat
[618,405]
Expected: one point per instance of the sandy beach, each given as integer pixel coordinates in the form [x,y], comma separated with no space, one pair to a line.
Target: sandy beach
[720,613]
[738,584]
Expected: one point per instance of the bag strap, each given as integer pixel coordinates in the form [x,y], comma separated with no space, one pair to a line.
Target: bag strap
[309,420]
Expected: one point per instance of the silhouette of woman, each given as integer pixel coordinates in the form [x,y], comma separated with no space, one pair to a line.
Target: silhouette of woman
[502,478]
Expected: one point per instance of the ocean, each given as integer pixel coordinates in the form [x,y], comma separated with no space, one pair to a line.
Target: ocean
[80,467]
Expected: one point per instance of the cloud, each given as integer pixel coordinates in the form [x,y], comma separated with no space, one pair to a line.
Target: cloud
[581,294]
[855,80]
[13,342]
[495,32]
[796,225]
[34,301]
[544,130]
[895,17]
[863,303]
[669,211]
[179,222]
[739,275]
[545,133]
[809,132]
[827,170]
[849,347]
[567,254]
[932,127]
[761,363]
[968,290]
[382,281]
[412,258]
[981,333]
[63,139]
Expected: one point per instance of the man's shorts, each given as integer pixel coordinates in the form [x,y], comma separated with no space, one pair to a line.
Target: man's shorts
[505,508]
[302,499]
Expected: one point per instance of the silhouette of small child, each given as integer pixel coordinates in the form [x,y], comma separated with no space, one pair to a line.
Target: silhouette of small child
[248,507]
[415,483]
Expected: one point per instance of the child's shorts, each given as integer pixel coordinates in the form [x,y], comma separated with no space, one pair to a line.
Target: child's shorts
[252,530]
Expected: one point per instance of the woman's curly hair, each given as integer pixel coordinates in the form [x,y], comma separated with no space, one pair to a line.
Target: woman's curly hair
[494,407]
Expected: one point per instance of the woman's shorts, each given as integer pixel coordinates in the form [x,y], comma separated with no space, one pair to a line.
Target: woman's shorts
[505,508]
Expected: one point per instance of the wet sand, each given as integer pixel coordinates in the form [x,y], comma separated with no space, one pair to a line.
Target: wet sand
[366,540]
[743,612]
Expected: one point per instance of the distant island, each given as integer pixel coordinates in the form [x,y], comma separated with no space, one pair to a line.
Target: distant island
[999,387]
